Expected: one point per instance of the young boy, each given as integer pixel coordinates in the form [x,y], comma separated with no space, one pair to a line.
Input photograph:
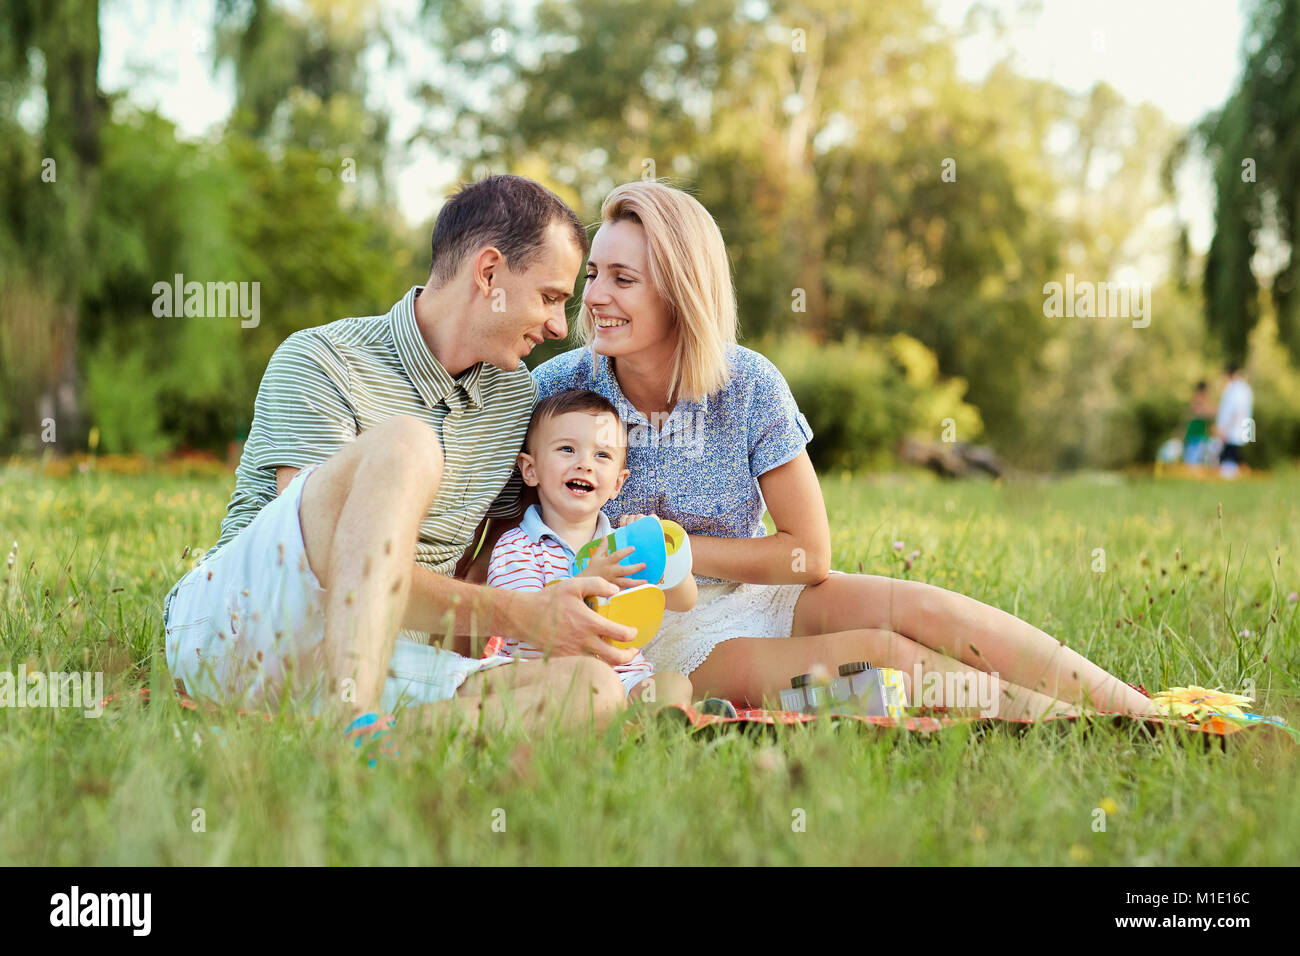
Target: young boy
[574,455]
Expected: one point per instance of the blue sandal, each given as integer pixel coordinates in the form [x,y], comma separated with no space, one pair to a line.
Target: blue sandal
[372,743]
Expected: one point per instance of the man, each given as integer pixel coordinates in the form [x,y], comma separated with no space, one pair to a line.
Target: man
[378,447]
[1234,425]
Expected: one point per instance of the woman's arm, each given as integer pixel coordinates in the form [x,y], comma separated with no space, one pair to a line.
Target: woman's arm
[799,552]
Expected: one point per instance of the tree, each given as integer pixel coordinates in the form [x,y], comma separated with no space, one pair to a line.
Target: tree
[300,81]
[815,133]
[133,205]
[51,46]
[1256,159]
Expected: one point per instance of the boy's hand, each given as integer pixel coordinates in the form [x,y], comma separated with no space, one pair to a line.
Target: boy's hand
[607,566]
[628,519]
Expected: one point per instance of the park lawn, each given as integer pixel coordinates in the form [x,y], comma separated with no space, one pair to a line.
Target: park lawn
[1189,594]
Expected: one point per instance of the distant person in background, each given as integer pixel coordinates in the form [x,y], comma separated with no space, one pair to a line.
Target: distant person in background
[1197,437]
[1234,425]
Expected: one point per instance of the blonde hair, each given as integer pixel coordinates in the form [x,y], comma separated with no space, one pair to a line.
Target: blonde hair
[689,268]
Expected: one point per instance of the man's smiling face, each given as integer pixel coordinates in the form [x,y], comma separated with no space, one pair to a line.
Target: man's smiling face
[525,308]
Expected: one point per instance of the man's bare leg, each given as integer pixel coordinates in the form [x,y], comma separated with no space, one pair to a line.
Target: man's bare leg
[360,515]
[566,692]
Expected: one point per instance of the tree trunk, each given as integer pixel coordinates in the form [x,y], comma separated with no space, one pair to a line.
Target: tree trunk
[69,39]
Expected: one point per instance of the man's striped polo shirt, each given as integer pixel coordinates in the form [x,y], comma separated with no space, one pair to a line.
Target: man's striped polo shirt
[326,385]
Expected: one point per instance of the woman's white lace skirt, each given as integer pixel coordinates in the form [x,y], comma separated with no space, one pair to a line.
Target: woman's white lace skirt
[722,611]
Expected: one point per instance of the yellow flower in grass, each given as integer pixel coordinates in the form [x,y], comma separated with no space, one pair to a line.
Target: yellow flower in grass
[1198,703]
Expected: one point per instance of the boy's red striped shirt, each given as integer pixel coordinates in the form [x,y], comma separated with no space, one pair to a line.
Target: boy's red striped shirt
[520,564]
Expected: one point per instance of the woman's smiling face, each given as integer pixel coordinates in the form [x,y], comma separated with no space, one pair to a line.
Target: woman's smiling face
[628,314]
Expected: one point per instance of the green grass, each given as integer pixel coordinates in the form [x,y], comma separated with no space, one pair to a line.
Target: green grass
[97,553]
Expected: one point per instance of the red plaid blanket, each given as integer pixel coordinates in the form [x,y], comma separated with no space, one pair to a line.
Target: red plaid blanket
[928,723]
[939,720]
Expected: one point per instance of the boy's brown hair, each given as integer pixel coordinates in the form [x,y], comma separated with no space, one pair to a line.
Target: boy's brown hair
[572,400]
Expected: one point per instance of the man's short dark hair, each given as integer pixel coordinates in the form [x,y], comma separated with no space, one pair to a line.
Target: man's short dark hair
[571,400]
[509,212]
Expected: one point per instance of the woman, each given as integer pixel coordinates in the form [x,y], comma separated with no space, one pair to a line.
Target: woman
[714,436]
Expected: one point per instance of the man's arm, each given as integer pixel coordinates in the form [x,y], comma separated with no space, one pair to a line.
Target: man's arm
[283,475]
[555,619]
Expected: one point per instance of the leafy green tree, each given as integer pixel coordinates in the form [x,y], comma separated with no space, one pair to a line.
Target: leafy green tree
[301,81]
[815,132]
[50,47]
[1257,183]
[133,205]
[229,212]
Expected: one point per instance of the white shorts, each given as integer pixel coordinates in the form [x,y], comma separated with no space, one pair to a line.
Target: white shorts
[630,674]
[722,611]
[248,625]
[634,672]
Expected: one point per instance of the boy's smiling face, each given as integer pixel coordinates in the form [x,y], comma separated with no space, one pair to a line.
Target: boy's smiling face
[575,461]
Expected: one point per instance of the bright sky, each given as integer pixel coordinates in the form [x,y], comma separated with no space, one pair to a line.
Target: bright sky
[1183,56]
[1180,55]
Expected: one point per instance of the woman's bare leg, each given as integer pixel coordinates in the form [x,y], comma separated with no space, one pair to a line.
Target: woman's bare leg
[967,630]
[750,669]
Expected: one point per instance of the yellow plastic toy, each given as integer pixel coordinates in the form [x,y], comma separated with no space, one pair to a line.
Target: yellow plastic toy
[678,563]
[641,607]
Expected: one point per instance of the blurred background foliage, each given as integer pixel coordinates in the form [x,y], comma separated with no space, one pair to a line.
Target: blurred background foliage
[816,133]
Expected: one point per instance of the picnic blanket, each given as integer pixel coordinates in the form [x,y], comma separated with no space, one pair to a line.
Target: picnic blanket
[938,719]
[931,721]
